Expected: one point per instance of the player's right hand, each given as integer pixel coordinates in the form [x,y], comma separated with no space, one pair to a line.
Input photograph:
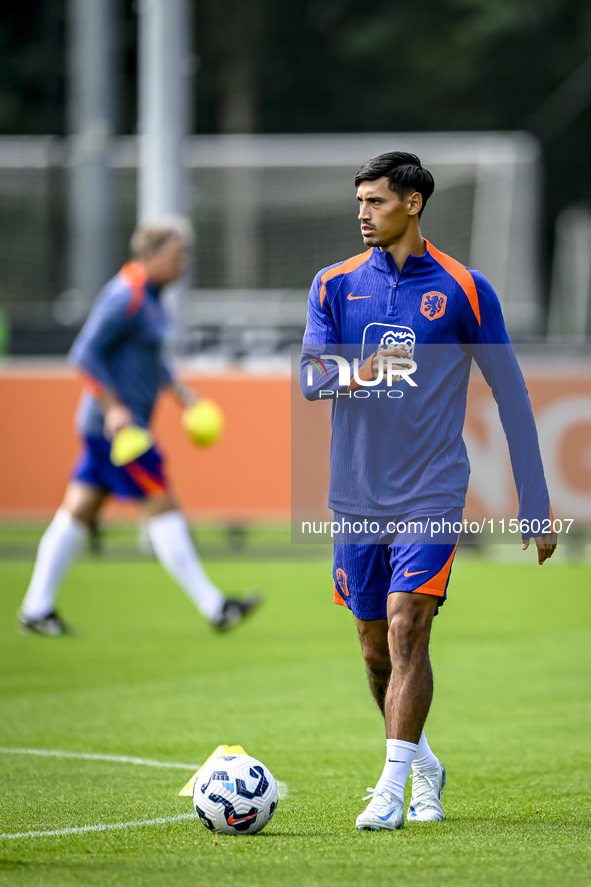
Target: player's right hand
[117,416]
[394,351]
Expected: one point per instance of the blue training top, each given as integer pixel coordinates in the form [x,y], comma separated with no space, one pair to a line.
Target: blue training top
[120,347]
[397,449]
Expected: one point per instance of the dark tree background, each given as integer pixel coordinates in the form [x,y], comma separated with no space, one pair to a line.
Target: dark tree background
[337,66]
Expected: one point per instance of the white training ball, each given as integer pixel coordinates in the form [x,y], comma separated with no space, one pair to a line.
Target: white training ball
[235,795]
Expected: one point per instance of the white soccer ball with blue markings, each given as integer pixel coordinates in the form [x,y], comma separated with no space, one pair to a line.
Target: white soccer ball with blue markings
[235,795]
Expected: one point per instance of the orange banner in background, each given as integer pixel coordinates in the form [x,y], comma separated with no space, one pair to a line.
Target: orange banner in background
[561,402]
[246,476]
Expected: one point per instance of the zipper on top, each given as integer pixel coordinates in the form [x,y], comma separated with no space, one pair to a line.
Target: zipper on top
[396,274]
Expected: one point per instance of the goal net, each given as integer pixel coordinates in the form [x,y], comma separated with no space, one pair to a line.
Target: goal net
[269,212]
[287,207]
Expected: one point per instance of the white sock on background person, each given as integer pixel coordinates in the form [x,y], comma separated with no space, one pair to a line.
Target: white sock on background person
[173,546]
[424,758]
[399,757]
[58,547]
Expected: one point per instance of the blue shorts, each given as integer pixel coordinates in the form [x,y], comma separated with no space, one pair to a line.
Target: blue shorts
[365,574]
[139,479]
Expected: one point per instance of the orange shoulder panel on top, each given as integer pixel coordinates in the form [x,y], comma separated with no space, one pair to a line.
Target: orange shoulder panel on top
[136,278]
[460,274]
[343,268]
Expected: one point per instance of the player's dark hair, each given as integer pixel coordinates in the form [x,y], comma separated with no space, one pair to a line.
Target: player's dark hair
[404,171]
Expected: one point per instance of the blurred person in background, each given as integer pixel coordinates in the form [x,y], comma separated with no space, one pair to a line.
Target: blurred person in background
[119,352]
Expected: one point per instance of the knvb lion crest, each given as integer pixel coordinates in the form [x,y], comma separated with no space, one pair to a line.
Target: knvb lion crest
[342,582]
[386,335]
[433,305]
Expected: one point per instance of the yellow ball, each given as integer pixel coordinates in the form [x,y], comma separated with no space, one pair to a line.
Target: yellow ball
[203,422]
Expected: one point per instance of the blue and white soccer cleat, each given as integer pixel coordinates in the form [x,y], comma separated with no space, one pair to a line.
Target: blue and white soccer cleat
[385,812]
[425,803]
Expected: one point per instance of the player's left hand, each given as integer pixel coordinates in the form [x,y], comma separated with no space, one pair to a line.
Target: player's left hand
[183,395]
[546,546]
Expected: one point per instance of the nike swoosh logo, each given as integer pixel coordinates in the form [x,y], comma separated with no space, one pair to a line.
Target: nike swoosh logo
[232,821]
[352,298]
[416,573]
[395,761]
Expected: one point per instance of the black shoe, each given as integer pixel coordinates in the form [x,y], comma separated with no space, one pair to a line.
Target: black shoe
[50,625]
[234,611]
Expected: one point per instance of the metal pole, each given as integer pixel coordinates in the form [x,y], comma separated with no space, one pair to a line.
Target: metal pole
[91,87]
[164,70]
[163,103]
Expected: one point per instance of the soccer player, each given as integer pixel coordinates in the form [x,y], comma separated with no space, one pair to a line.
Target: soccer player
[119,352]
[403,312]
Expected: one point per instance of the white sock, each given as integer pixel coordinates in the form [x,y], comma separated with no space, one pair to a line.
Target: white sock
[399,755]
[424,758]
[58,548]
[174,549]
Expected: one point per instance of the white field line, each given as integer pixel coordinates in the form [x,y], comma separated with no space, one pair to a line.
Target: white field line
[102,827]
[117,759]
[282,790]
[106,827]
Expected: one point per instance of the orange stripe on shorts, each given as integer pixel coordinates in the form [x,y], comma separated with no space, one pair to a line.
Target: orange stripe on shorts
[437,584]
[336,597]
[148,483]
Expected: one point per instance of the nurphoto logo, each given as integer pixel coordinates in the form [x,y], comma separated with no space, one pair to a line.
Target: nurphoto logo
[389,368]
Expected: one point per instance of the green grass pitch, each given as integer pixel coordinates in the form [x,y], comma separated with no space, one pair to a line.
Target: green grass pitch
[145,677]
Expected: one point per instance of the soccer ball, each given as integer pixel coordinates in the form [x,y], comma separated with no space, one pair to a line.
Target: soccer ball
[235,795]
